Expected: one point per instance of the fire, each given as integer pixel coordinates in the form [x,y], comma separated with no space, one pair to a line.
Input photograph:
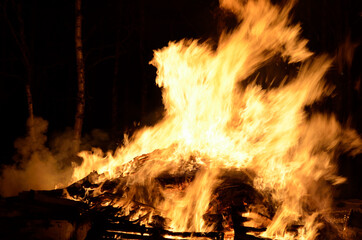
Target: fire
[215,119]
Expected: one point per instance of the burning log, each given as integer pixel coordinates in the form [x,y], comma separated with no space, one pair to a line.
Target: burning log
[25,215]
[99,208]
[111,208]
[120,228]
[231,198]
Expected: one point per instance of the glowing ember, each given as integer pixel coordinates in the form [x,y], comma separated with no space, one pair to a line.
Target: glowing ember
[216,119]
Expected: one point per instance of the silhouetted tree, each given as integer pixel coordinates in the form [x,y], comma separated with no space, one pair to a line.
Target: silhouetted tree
[18,32]
[115,84]
[79,116]
[142,58]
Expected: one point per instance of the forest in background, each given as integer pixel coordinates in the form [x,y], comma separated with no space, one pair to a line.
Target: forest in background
[118,42]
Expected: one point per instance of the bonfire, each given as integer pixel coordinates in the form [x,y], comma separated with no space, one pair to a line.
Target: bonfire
[231,158]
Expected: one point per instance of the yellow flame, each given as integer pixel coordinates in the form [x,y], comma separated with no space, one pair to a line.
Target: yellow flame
[212,116]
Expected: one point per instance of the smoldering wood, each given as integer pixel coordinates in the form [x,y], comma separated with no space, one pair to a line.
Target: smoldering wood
[61,213]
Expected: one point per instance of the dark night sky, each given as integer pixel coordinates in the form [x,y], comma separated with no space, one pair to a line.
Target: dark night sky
[49,32]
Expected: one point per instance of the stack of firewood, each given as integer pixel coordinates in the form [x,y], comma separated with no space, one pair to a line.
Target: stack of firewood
[99,208]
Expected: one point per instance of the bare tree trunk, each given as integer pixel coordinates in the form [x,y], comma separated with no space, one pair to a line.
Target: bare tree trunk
[29,68]
[115,123]
[125,90]
[142,60]
[80,75]
[20,40]
[29,98]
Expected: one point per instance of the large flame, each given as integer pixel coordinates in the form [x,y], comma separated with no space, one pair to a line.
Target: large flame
[217,118]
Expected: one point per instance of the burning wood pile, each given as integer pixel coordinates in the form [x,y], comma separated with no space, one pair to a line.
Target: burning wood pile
[98,208]
[235,159]
[127,206]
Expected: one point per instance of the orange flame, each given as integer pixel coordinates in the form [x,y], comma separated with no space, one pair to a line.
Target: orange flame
[210,116]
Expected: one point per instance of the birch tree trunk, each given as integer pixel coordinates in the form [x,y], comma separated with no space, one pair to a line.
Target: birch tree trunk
[80,75]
